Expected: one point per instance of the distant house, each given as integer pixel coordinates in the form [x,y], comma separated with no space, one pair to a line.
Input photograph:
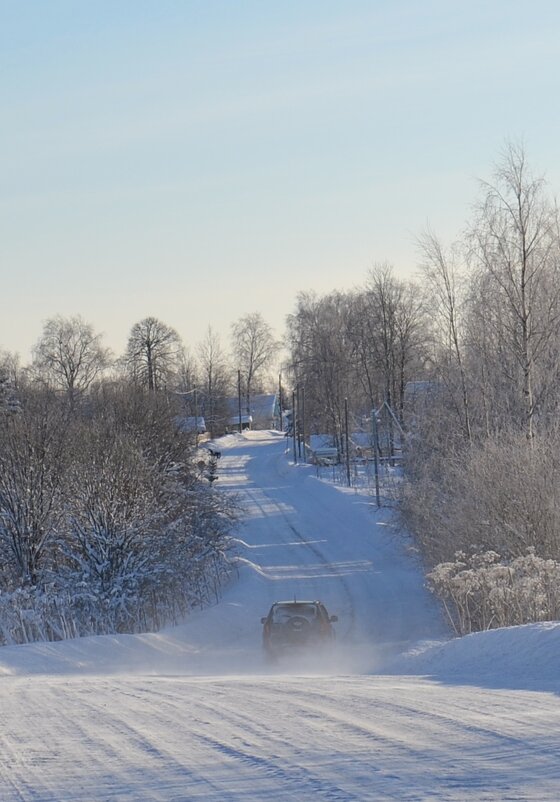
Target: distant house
[233,422]
[362,444]
[264,412]
[322,450]
[185,420]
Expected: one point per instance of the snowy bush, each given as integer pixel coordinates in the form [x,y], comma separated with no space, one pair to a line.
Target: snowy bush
[105,524]
[33,460]
[500,494]
[484,592]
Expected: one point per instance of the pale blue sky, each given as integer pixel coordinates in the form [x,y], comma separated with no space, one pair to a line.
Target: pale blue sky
[200,160]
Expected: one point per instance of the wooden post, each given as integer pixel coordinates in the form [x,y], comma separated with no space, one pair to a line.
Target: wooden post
[303,422]
[298,402]
[239,399]
[195,417]
[294,424]
[375,458]
[347,442]
[280,401]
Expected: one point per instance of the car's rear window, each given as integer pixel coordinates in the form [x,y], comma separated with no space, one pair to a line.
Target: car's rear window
[282,613]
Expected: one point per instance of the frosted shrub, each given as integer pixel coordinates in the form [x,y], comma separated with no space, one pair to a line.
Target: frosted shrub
[105,526]
[30,614]
[484,592]
[500,494]
[33,461]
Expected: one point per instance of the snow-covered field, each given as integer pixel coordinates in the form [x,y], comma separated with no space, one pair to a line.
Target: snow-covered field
[194,713]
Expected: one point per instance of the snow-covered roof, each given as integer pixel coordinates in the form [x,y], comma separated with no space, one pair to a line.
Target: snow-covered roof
[234,419]
[262,406]
[361,439]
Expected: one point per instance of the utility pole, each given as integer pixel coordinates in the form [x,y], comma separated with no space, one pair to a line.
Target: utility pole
[239,399]
[195,415]
[294,424]
[298,402]
[280,401]
[347,442]
[303,422]
[375,457]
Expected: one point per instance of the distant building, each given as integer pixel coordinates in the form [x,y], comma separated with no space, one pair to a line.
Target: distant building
[234,420]
[264,412]
[322,450]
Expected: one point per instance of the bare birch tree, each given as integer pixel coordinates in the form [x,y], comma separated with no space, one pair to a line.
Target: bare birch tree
[516,246]
[69,355]
[254,349]
[215,378]
[440,272]
[321,359]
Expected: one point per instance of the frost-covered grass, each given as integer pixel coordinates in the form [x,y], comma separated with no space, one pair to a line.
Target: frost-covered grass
[483,591]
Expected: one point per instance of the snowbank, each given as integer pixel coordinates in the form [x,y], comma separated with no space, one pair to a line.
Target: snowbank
[526,655]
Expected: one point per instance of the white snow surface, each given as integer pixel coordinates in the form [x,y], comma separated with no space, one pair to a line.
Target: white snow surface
[397,711]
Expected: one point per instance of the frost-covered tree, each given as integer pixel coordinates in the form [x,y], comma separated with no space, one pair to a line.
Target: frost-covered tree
[254,349]
[320,350]
[388,335]
[9,400]
[70,355]
[113,518]
[515,250]
[145,537]
[149,417]
[215,382]
[445,303]
[33,463]
[497,370]
[105,522]
[154,354]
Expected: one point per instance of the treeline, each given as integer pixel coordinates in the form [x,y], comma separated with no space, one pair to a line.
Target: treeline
[483,497]
[468,357]
[360,347]
[106,524]
[71,358]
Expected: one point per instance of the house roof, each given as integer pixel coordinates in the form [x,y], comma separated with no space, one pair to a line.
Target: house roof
[234,419]
[262,406]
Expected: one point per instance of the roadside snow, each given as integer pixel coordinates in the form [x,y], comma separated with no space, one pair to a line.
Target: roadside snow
[526,656]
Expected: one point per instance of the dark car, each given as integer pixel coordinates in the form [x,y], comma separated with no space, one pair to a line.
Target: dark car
[293,625]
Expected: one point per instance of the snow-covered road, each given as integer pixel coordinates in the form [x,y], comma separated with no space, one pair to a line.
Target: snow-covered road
[194,714]
[306,539]
[294,738]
